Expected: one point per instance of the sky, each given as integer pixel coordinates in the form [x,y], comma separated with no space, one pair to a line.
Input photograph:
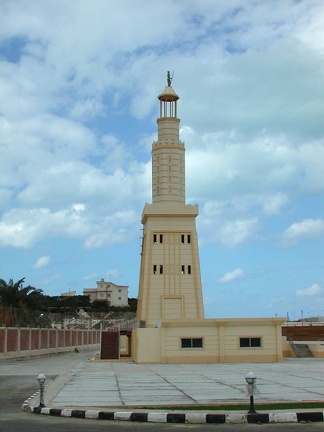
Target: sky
[79,82]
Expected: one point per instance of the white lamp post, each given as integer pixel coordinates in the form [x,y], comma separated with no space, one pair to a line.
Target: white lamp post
[41,379]
[250,378]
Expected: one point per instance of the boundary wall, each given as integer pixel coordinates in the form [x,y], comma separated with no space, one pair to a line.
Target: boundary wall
[26,342]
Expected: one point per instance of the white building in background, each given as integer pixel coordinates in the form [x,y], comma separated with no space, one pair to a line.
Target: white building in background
[68,294]
[108,292]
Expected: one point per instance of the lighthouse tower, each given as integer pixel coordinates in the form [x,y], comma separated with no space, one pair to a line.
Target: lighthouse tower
[170,282]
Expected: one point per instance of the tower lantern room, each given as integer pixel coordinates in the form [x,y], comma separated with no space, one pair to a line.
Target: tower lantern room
[168,101]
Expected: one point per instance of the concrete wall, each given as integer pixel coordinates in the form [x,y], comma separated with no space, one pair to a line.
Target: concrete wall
[317,350]
[221,341]
[26,342]
[287,350]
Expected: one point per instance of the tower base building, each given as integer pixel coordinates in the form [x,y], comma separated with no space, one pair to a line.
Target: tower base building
[210,341]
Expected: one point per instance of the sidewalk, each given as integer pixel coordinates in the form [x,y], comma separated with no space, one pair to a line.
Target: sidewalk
[125,387]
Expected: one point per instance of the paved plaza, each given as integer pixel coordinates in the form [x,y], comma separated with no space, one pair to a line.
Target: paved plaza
[84,384]
[133,385]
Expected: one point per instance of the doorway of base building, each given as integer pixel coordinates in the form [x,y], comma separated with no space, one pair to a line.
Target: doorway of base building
[115,344]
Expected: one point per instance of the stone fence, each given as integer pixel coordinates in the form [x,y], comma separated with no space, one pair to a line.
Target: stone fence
[26,342]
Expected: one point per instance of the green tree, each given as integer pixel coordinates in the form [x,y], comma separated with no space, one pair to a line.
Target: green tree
[17,301]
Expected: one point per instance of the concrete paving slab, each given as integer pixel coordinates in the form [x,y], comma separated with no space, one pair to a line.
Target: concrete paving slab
[82,384]
[162,384]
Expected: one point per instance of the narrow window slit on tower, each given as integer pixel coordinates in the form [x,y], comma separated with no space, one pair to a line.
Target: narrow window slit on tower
[189,269]
[182,238]
[188,238]
[161,269]
[182,269]
[154,269]
[154,238]
[161,238]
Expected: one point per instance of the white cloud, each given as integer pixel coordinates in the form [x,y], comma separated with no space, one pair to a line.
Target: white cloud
[314,290]
[229,233]
[42,262]
[227,165]
[91,276]
[231,276]
[79,207]
[236,232]
[306,229]
[24,228]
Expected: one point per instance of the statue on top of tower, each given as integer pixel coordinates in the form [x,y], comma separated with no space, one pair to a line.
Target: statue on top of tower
[169,78]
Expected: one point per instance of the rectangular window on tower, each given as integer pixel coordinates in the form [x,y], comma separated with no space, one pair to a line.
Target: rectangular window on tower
[154,269]
[161,238]
[182,269]
[188,238]
[189,269]
[182,238]
[161,269]
[154,238]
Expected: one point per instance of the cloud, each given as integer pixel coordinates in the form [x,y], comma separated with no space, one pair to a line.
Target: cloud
[90,276]
[231,233]
[306,229]
[55,156]
[228,164]
[23,228]
[42,262]
[312,291]
[236,232]
[231,276]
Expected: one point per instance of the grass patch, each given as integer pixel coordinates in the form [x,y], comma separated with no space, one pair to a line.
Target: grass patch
[258,407]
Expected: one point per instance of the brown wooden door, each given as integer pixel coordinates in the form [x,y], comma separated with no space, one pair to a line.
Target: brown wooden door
[109,345]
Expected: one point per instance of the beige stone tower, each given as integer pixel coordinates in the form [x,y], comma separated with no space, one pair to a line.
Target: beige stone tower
[170,283]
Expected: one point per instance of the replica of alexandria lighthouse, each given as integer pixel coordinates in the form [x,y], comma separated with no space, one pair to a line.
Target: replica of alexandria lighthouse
[170,314]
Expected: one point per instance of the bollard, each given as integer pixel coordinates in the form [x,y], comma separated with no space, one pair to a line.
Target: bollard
[41,379]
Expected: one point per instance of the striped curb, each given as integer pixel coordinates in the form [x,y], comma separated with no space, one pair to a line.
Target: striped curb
[190,418]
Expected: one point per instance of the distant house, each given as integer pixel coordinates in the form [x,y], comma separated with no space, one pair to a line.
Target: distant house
[68,294]
[114,295]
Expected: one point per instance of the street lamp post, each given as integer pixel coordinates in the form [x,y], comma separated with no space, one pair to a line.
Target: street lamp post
[40,316]
[250,378]
[41,379]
